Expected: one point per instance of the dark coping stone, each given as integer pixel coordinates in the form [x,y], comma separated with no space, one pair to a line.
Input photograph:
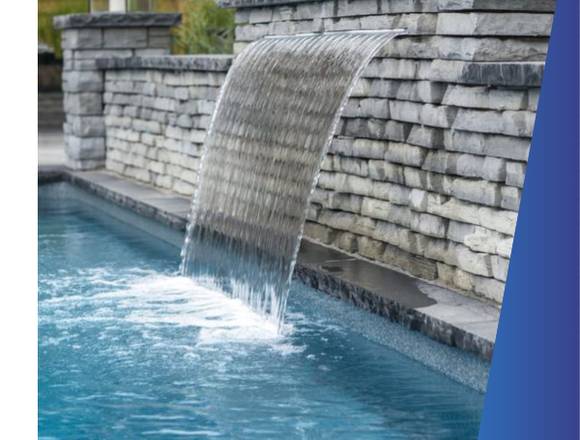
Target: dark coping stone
[443,5]
[260,3]
[111,19]
[205,63]
[399,303]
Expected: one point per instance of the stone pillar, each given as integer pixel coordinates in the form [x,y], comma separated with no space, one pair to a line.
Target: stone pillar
[86,37]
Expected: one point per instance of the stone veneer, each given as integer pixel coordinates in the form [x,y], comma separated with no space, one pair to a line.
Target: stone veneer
[86,37]
[157,111]
[426,171]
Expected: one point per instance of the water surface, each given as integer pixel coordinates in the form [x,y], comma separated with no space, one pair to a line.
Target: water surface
[128,349]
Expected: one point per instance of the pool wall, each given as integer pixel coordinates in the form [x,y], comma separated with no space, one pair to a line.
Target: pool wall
[426,171]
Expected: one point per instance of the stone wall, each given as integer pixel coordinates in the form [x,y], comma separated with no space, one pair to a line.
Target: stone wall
[86,37]
[426,171]
[157,111]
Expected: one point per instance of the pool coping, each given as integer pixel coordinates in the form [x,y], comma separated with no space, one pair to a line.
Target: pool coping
[441,314]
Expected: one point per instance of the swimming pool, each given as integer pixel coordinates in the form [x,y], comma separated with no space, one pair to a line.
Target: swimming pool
[128,349]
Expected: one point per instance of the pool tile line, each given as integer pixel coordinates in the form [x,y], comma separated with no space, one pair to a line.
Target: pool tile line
[441,314]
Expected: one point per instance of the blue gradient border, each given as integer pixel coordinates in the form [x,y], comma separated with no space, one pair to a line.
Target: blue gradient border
[533,385]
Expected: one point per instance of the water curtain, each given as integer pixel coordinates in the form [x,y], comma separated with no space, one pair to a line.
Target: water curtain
[274,120]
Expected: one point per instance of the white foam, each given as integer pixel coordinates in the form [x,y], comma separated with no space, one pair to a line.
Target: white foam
[153,300]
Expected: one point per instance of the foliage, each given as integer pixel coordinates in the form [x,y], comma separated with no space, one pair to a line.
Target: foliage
[47,9]
[205,28]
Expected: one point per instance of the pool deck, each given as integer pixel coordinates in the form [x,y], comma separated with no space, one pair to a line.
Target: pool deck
[444,315]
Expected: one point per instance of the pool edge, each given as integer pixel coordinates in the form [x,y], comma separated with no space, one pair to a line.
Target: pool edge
[441,314]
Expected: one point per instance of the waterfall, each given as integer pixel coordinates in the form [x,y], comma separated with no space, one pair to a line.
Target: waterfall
[274,120]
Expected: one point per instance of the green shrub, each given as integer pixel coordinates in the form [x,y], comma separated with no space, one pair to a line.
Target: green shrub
[205,28]
[47,9]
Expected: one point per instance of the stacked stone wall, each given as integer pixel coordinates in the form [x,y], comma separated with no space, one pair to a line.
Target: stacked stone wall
[156,116]
[427,168]
[85,38]
[426,171]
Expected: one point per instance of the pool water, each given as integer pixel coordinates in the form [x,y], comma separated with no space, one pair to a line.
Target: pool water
[128,349]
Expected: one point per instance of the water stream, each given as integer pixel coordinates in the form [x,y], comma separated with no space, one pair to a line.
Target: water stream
[274,120]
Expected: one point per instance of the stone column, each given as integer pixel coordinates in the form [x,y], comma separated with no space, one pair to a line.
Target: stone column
[86,37]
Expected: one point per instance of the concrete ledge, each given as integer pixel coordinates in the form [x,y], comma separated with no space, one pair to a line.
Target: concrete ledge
[114,20]
[441,314]
[205,63]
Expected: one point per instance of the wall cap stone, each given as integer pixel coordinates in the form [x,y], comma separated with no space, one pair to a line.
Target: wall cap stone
[116,20]
[206,63]
[440,5]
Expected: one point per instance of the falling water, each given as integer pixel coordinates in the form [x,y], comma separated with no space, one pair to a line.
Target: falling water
[274,120]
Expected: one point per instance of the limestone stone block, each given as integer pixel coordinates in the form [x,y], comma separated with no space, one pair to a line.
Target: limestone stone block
[125,38]
[485,98]
[405,154]
[467,48]
[163,181]
[346,241]
[358,167]
[82,39]
[498,220]
[402,69]
[348,8]
[454,209]
[476,238]
[413,264]
[159,38]
[385,171]
[510,198]
[422,114]
[414,24]
[477,191]
[408,6]
[344,202]
[463,280]
[499,267]
[383,210]
[510,123]
[319,232]
[515,174]
[427,137]
[430,225]
[507,147]
[81,148]
[473,262]
[77,81]
[83,103]
[391,192]
[491,23]
[418,200]
[504,247]
[489,288]
[373,249]
[497,5]
[152,127]
[86,126]
[183,188]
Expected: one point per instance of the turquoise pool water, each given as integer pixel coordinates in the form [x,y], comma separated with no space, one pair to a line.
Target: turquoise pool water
[128,349]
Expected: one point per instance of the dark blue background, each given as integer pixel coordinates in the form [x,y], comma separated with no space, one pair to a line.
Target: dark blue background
[533,386]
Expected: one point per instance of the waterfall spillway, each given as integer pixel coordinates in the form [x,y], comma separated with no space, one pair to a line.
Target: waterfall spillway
[274,120]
